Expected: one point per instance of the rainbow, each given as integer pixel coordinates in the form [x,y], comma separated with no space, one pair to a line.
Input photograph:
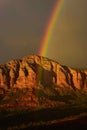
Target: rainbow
[50,27]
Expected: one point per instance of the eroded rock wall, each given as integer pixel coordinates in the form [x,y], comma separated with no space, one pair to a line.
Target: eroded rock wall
[33,71]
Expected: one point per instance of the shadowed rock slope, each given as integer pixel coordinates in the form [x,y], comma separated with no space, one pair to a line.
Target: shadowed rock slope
[36,91]
[35,71]
[39,80]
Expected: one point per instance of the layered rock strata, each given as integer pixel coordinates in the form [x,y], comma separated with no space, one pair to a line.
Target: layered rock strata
[35,71]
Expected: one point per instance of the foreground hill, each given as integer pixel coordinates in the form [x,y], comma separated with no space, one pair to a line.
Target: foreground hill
[34,83]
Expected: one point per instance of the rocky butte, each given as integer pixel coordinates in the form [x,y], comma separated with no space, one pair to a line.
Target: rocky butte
[34,80]
[35,90]
[34,71]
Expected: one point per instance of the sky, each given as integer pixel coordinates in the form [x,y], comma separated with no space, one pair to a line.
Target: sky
[23,24]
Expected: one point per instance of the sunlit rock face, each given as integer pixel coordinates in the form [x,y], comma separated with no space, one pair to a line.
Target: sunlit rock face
[34,71]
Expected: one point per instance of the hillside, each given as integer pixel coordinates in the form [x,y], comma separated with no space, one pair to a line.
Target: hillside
[38,84]
[31,71]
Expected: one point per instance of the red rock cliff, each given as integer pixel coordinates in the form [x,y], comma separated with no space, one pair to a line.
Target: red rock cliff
[35,71]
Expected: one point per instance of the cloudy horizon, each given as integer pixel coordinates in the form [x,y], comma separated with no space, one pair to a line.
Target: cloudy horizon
[23,23]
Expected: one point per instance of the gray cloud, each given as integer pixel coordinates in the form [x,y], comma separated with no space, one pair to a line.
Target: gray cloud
[22,26]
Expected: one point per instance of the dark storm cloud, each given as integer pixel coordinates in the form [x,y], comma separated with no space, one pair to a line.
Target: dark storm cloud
[23,23]
[69,41]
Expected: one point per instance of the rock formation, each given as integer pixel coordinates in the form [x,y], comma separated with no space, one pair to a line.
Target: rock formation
[35,71]
[36,89]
